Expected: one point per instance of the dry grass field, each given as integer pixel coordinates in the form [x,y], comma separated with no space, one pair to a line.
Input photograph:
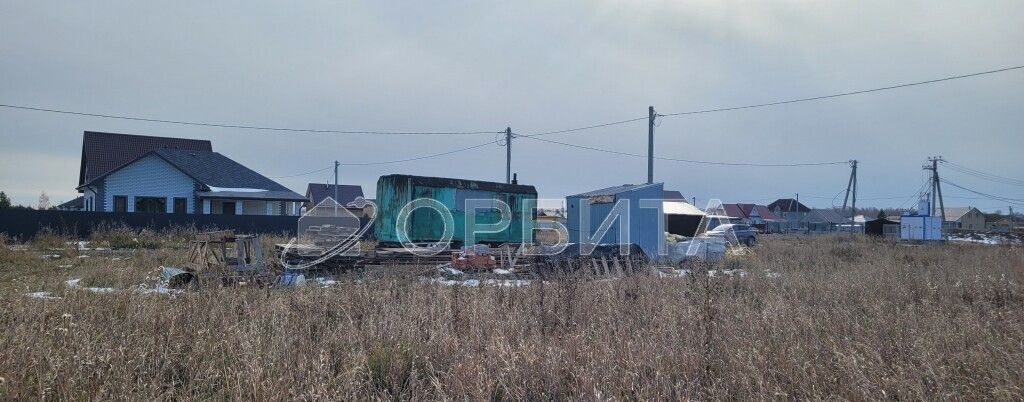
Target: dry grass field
[838,317]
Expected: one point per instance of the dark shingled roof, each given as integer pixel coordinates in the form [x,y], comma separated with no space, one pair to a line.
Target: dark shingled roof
[212,169]
[788,205]
[317,192]
[103,152]
[216,170]
[672,195]
[75,204]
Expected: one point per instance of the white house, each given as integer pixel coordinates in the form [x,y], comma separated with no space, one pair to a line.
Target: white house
[170,175]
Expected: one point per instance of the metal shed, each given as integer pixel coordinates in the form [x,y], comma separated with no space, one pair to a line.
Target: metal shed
[646,224]
[426,225]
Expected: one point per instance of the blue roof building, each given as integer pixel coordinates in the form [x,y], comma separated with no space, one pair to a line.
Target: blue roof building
[640,202]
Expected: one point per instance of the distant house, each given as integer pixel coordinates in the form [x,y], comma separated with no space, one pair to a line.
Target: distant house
[792,212]
[823,221]
[968,218]
[759,216]
[999,225]
[76,204]
[545,229]
[132,173]
[318,192]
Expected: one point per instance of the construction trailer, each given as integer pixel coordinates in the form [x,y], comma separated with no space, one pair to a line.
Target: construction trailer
[426,225]
[646,226]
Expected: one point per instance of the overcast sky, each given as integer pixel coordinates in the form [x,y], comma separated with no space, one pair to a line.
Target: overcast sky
[534,66]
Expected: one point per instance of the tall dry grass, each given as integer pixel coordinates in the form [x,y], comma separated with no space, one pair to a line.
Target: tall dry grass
[847,318]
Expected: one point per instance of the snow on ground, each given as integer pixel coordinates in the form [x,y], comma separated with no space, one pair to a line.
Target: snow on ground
[992,238]
[77,284]
[42,295]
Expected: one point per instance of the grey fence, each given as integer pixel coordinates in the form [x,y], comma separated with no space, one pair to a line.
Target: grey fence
[24,223]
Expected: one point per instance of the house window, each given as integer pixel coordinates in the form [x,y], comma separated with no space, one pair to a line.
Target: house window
[120,203]
[227,208]
[180,205]
[151,204]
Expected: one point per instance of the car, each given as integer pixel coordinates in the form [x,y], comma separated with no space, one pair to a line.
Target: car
[744,233]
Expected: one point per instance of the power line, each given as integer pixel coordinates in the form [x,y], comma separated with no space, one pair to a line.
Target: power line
[300,174]
[687,160]
[836,95]
[583,128]
[985,175]
[418,157]
[777,103]
[1016,201]
[375,132]
[243,126]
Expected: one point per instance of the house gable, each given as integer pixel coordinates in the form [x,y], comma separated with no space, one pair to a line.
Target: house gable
[149,176]
[103,152]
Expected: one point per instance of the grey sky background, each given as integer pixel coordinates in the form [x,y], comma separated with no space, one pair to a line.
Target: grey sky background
[535,66]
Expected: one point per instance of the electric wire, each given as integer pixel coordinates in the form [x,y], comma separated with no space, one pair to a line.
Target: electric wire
[1015,201]
[417,157]
[702,162]
[245,126]
[841,94]
[780,102]
[983,175]
[301,174]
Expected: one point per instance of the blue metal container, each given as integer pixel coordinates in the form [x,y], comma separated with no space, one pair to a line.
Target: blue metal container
[646,225]
[426,225]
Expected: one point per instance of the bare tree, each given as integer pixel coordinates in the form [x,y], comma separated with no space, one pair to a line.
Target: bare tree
[44,201]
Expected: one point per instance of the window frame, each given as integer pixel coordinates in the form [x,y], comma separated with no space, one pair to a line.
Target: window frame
[123,201]
[156,200]
[184,205]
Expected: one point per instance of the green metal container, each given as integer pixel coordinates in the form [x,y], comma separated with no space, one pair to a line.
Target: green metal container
[427,225]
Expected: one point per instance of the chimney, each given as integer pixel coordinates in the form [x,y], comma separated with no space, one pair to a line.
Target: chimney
[514,179]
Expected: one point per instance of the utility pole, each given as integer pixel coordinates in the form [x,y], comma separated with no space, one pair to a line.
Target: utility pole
[508,155]
[650,144]
[851,189]
[795,206]
[936,187]
[336,163]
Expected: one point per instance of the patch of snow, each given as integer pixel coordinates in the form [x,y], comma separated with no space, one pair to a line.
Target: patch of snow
[448,270]
[161,289]
[42,295]
[326,281]
[237,189]
[477,282]
[64,266]
[83,256]
[508,282]
[500,271]
[77,284]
